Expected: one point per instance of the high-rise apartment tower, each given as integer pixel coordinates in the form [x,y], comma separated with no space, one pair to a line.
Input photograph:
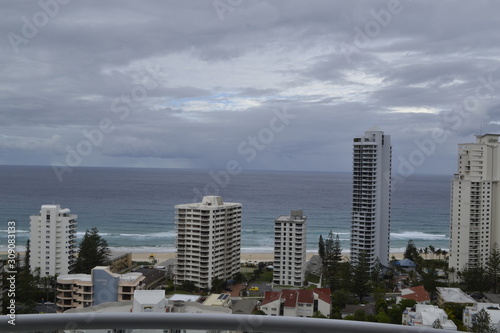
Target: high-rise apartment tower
[208,241]
[290,249]
[52,240]
[475,194]
[371,196]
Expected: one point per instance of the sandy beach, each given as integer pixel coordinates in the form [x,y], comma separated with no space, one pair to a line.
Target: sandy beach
[245,257]
[257,257]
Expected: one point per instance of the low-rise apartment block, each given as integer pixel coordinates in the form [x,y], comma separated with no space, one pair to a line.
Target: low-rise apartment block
[101,286]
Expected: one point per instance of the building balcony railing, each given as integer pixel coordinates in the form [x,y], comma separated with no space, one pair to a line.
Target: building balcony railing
[191,321]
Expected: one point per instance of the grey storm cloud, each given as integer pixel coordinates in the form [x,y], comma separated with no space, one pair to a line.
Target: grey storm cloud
[198,83]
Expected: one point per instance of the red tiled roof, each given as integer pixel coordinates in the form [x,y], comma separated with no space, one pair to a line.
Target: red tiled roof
[290,297]
[419,294]
[306,296]
[270,296]
[323,294]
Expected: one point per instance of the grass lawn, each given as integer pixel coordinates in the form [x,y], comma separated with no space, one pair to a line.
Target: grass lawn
[312,278]
[265,276]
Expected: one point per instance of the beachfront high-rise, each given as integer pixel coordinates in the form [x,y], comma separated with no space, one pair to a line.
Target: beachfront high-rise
[475,213]
[290,249]
[371,196]
[52,240]
[208,241]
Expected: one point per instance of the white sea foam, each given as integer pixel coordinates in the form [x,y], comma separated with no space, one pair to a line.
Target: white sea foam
[106,235]
[417,235]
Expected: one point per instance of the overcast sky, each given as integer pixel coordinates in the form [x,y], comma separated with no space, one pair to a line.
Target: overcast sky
[268,85]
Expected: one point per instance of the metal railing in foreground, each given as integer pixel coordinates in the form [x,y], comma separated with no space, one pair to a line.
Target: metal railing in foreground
[205,322]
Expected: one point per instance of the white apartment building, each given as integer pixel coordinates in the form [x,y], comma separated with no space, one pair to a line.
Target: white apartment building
[371,196]
[208,241]
[52,240]
[475,213]
[290,249]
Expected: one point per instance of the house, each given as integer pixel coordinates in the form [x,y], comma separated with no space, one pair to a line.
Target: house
[426,315]
[418,294]
[297,303]
[492,309]
[407,265]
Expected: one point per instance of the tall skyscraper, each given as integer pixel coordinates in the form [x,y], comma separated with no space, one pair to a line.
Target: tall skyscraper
[52,240]
[290,249]
[371,196]
[208,241]
[475,213]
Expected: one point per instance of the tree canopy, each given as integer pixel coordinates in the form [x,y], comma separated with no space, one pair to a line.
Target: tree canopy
[481,323]
[93,251]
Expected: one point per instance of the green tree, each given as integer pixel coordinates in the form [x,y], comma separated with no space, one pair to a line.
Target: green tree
[93,251]
[475,278]
[217,285]
[331,261]
[411,252]
[27,255]
[493,267]
[430,278]
[481,323]
[340,298]
[344,275]
[361,276]
[188,286]
[382,317]
[321,247]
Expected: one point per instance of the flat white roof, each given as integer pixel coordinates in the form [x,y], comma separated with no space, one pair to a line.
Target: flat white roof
[182,297]
[149,296]
[454,295]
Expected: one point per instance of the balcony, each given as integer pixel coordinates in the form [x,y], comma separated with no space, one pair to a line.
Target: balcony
[191,321]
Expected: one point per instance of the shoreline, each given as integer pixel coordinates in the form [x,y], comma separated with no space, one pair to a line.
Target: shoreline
[245,256]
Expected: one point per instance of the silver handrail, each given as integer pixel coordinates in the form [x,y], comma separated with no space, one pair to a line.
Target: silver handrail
[248,323]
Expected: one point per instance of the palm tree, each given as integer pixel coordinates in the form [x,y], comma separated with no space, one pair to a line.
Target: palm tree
[444,253]
[426,251]
[432,249]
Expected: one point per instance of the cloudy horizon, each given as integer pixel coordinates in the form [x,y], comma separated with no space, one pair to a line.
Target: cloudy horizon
[257,85]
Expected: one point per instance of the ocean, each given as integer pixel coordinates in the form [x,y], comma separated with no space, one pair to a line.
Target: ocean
[133,209]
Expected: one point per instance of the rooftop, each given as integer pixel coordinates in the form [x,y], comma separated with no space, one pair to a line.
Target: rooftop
[454,295]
